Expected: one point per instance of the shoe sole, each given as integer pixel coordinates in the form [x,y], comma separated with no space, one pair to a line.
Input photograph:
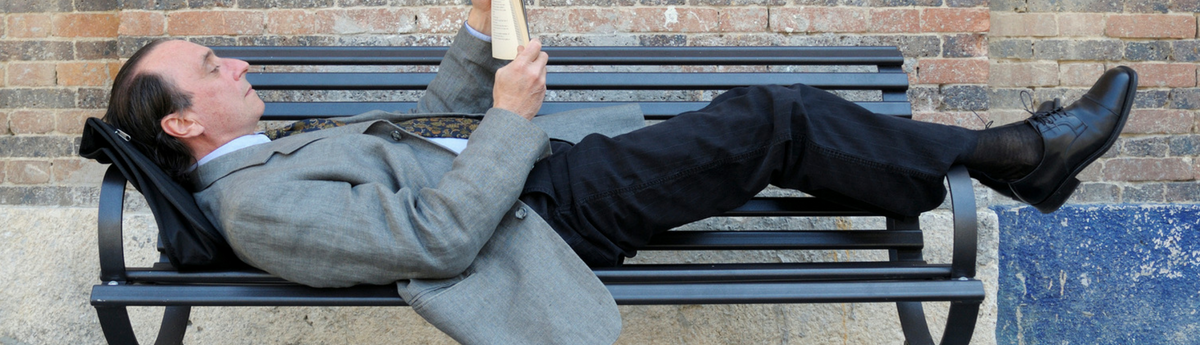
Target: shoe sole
[1063,192]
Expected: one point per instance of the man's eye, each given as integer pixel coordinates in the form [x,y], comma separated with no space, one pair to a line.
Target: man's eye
[216,69]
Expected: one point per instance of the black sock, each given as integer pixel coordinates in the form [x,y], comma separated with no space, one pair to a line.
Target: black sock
[1007,152]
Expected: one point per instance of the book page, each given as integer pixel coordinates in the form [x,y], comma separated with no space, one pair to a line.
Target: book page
[509,29]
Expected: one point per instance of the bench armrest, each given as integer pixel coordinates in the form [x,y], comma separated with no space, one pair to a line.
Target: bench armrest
[966,234]
[112,251]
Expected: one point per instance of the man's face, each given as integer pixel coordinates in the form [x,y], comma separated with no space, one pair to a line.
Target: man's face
[223,102]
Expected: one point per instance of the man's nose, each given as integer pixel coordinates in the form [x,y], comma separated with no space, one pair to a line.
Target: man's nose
[239,67]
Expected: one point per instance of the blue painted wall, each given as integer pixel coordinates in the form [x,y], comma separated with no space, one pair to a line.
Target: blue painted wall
[1100,274]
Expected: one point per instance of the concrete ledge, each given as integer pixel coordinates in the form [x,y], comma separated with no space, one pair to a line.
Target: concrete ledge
[1100,274]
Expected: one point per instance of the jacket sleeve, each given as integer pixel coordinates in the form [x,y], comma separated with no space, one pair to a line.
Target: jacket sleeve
[325,232]
[464,80]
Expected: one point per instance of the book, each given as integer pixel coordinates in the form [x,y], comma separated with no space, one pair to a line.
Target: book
[509,29]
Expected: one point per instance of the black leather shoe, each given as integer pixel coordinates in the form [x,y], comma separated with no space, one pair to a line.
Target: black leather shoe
[1073,137]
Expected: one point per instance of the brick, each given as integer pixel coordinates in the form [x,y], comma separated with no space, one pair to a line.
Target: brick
[76,171]
[289,41]
[1185,98]
[1159,121]
[31,74]
[966,3]
[671,19]
[1008,6]
[300,22]
[955,20]
[819,19]
[1023,24]
[449,20]
[36,98]
[96,5]
[285,3]
[1147,169]
[1093,172]
[662,40]
[3,169]
[1184,145]
[1079,74]
[1182,191]
[27,6]
[743,19]
[86,73]
[953,71]
[96,50]
[965,45]
[3,125]
[86,25]
[75,196]
[999,48]
[37,146]
[196,23]
[1145,147]
[92,98]
[71,121]
[1151,26]
[211,3]
[1186,50]
[1081,24]
[895,3]
[33,25]
[895,20]
[1067,95]
[1002,117]
[378,21]
[1150,98]
[924,98]
[1148,51]
[912,46]
[1165,75]
[960,119]
[1001,98]
[1090,193]
[1185,6]
[1147,6]
[31,121]
[1105,50]
[1143,193]
[553,3]
[1099,6]
[142,23]
[27,172]
[965,97]
[157,5]
[36,50]
[1023,74]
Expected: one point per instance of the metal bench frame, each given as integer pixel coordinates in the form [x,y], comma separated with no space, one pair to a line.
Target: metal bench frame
[905,279]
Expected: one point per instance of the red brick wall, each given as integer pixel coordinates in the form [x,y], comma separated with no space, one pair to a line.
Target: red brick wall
[963,57]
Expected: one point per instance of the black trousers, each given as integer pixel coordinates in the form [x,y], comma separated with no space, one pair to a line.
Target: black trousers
[608,196]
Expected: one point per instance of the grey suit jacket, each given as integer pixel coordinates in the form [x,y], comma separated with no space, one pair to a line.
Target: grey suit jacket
[369,203]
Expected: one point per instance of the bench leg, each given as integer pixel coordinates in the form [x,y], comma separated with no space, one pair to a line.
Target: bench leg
[114,321]
[960,323]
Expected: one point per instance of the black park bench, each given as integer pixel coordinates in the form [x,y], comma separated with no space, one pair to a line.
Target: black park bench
[905,278]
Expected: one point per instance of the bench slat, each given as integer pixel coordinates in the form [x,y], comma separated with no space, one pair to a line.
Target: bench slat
[880,56]
[662,273]
[628,294]
[787,240]
[587,81]
[653,110]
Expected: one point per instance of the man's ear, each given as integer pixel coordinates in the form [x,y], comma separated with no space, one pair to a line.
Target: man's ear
[176,125]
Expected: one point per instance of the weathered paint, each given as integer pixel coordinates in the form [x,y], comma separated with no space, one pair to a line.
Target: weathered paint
[1100,274]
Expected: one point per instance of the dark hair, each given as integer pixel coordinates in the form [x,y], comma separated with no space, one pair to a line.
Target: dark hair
[136,106]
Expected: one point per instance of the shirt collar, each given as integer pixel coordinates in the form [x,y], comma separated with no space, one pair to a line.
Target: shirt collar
[233,145]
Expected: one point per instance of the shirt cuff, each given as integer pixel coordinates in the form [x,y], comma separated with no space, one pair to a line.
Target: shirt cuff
[476,33]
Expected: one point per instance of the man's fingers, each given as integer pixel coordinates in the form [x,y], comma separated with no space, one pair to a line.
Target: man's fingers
[530,50]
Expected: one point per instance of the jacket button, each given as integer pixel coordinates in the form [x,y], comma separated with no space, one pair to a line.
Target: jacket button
[396,135]
[521,213]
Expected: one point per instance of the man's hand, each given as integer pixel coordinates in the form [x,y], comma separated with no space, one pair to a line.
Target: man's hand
[521,85]
[480,17]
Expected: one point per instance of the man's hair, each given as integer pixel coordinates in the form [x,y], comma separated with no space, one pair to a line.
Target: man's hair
[136,106]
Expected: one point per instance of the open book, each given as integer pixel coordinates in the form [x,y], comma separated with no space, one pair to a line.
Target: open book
[509,29]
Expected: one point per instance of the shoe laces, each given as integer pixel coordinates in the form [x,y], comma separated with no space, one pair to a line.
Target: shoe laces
[1042,117]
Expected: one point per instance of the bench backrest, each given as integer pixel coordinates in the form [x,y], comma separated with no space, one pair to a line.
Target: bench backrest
[308,71]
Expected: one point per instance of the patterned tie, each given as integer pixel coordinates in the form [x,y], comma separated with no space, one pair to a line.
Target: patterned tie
[429,127]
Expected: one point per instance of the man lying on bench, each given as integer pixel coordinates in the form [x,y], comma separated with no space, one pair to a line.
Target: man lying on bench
[488,225]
